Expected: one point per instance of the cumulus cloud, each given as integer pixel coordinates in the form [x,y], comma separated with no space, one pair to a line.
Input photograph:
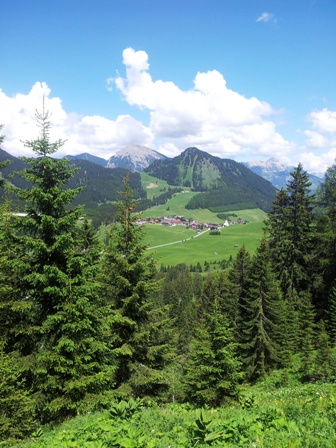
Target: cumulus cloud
[266,17]
[94,134]
[210,115]
[320,152]
[323,120]
[318,163]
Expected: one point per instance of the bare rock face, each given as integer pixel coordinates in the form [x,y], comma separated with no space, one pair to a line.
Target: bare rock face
[134,158]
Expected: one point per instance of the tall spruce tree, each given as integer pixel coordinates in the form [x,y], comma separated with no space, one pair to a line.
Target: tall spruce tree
[179,292]
[128,282]
[212,369]
[72,365]
[332,316]
[238,276]
[290,234]
[325,251]
[260,329]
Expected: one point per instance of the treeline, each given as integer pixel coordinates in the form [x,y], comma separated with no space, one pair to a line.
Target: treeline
[207,265]
[145,203]
[99,186]
[84,323]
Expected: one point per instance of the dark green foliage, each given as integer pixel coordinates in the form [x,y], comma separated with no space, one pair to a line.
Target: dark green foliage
[98,185]
[290,230]
[17,406]
[179,290]
[211,371]
[332,316]
[16,306]
[129,281]
[261,318]
[325,360]
[307,334]
[238,275]
[325,251]
[70,362]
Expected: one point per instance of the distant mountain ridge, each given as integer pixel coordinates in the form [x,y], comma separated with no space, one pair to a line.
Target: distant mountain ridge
[101,185]
[86,156]
[134,158]
[277,172]
[220,182]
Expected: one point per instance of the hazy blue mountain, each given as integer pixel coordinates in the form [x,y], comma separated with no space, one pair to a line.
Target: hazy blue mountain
[277,173]
[86,156]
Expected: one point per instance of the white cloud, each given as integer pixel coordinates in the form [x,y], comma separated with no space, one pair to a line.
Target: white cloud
[323,135]
[94,134]
[210,115]
[318,163]
[266,17]
[323,120]
[321,140]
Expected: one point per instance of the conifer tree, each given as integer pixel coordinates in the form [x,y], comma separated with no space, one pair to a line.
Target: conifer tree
[260,331]
[290,233]
[279,236]
[212,369]
[218,285]
[128,283]
[325,361]
[332,316]
[238,276]
[72,365]
[307,333]
[15,305]
[325,251]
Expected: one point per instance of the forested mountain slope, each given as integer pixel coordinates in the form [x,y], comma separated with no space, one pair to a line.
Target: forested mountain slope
[223,182]
[101,184]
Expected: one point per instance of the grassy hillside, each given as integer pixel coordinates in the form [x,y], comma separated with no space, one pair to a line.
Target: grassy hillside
[220,182]
[176,206]
[289,416]
[204,247]
[152,185]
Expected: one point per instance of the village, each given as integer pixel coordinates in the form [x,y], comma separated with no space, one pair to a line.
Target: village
[189,223]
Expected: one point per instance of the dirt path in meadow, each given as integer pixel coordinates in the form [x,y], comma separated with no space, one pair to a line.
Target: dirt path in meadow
[180,241]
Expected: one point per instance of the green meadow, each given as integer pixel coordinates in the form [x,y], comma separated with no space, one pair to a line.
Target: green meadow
[153,185]
[191,248]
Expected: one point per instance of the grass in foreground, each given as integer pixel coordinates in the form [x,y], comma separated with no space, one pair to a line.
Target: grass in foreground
[297,416]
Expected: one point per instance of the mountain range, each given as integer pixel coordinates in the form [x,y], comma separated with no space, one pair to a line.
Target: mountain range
[220,183]
[132,157]
[278,173]
[138,158]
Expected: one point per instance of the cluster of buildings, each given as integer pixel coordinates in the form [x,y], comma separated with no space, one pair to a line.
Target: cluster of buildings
[190,223]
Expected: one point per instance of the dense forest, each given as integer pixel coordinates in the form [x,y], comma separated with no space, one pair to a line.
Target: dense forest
[85,323]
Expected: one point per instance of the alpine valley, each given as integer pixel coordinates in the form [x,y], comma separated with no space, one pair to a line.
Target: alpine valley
[219,184]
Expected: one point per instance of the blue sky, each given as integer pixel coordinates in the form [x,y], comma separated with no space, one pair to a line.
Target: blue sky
[241,79]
